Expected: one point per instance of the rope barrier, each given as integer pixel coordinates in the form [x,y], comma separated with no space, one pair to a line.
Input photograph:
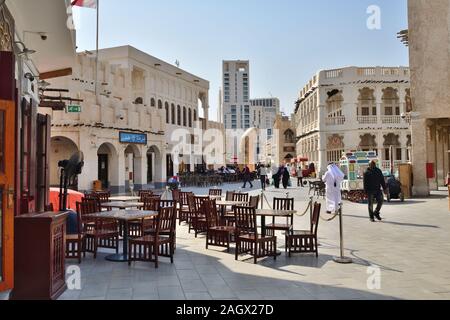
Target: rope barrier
[306,211]
[330,219]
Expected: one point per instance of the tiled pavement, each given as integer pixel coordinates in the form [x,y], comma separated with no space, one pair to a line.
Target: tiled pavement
[411,248]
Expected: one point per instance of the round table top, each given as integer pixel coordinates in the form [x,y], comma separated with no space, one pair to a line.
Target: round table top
[275,213]
[124,215]
[231,203]
[124,198]
[122,205]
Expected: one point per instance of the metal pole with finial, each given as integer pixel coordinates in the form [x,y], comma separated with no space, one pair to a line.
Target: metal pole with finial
[342,259]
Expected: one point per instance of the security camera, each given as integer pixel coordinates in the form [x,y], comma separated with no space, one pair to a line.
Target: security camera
[43,36]
[403,115]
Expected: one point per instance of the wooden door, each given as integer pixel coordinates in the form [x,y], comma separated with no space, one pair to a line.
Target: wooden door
[103,171]
[7,164]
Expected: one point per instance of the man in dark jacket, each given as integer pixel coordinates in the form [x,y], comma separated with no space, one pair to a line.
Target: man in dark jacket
[373,183]
[247,177]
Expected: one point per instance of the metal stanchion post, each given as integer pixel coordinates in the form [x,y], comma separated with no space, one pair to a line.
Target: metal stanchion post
[342,259]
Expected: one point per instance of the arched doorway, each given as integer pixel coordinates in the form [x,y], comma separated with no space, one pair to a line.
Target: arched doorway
[107,161]
[61,148]
[132,166]
[154,165]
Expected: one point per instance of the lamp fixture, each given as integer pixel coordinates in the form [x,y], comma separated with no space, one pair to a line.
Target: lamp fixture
[25,50]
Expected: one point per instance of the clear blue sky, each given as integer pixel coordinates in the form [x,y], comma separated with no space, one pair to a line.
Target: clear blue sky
[286,41]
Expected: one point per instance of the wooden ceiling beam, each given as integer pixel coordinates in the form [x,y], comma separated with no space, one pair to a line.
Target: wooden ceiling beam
[56,74]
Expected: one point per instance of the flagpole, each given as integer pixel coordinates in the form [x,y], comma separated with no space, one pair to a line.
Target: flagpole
[96,55]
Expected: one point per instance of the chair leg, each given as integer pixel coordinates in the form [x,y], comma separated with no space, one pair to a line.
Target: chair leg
[95,247]
[156,253]
[236,250]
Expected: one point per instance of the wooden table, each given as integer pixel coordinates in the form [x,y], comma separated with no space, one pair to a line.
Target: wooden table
[263,213]
[123,216]
[223,204]
[125,198]
[122,205]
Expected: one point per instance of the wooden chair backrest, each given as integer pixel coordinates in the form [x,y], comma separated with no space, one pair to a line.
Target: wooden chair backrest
[103,196]
[245,220]
[315,218]
[241,197]
[184,198]
[199,202]
[176,195]
[166,219]
[215,192]
[144,194]
[283,204]
[209,210]
[151,203]
[254,202]
[166,203]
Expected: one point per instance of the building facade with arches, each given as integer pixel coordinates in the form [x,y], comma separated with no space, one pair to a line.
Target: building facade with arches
[128,131]
[355,108]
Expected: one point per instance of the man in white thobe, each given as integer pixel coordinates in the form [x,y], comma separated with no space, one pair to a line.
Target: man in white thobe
[332,179]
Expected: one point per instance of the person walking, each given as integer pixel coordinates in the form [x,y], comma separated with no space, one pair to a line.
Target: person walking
[300,176]
[373,183]
[263,176]
[247,177]
[277,177]
[286,177]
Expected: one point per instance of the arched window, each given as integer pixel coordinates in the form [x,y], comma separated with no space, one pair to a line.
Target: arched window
[184,117]
[167,113]
[160,104]
[190,118]
[173,113]
[152,102]
[179,115]
[289,136]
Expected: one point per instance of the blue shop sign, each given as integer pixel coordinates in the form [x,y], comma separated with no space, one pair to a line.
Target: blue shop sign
[136,138]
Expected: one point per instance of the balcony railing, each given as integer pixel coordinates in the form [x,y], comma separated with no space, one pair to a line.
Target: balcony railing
[391,119]
[367,119]
[335,121]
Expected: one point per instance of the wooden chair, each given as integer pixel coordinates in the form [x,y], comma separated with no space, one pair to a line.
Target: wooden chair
[145,226]
[305,241]
[254,202]
[99,233]
[248,241]
[149,247]
[282,204]
[241,197]
[103,196]
[216,235]
[183,210]
[215,192]
[143,194]
[75,243]
[197,221]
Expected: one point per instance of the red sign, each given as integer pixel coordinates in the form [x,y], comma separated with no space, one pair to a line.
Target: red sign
[430,171]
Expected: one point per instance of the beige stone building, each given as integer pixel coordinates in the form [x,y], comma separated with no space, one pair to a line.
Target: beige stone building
[429,43]
[145,125]
[354,108]
[281,147]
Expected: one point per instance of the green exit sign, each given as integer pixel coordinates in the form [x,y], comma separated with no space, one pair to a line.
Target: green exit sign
[74,109]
